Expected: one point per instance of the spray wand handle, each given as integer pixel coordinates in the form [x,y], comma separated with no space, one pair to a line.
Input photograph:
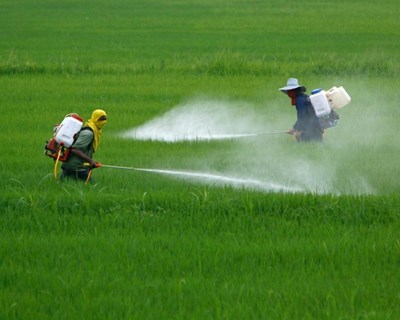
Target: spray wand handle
[97,165]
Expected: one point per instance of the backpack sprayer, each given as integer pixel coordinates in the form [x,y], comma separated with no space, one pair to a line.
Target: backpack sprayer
[59,146]
[326,103]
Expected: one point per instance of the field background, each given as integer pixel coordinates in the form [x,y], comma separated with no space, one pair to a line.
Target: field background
[139,245]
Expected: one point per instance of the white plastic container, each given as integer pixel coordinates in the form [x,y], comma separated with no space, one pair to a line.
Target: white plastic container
[338,97]
[67,130]
[320,103]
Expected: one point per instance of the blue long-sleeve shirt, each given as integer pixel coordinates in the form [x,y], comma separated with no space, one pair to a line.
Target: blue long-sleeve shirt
[307,121]
[302,114]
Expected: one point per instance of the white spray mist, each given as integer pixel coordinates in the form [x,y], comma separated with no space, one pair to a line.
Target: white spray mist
[203,119]
[268,160]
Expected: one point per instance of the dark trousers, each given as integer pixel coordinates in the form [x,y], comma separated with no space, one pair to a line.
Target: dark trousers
[312,133]
[75,175]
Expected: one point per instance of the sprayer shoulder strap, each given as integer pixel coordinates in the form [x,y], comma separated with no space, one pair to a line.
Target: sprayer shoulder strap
[77,140]
[86,128]
[89,129]
[310,108]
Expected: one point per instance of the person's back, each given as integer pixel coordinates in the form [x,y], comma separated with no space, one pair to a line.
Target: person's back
[84,143]
[307,121]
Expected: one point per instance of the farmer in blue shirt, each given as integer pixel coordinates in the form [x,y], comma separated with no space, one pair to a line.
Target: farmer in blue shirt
[307,127]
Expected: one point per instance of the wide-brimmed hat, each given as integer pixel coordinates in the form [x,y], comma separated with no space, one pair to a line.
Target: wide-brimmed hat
[291,84]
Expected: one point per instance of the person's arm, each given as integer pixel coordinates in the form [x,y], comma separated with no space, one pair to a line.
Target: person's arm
[84,157]
[83,142]
[301,108]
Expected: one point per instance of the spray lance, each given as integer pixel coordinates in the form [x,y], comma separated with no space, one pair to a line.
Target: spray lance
[245,135]
[100,165]
[119,167]
[161,171]
[267,133]
[202,175]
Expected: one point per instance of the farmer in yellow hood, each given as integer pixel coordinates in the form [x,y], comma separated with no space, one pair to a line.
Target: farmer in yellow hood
[81,161]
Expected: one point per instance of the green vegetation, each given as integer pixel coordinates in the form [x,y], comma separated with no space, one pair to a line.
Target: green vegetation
[140,245]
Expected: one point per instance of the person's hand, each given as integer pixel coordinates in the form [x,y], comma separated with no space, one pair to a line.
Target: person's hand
[95,165]
[291,131]
[92,164]
[297,135]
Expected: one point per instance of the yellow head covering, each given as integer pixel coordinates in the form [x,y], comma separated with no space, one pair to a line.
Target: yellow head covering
[96,124]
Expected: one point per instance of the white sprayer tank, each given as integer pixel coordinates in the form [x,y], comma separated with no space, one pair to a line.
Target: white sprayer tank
[338,97]
[320,103]
[67,130]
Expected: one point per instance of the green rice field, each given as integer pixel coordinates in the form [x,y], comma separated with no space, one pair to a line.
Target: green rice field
[197,227]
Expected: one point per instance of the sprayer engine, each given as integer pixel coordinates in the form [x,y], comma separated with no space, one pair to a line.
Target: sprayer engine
[56,151]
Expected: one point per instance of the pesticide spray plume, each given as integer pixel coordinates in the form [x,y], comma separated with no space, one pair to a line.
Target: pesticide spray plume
[206,119]
[232,181]
[255,162]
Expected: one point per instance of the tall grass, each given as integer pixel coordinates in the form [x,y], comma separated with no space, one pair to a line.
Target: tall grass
[223,64]
[210,253]
[204,37]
